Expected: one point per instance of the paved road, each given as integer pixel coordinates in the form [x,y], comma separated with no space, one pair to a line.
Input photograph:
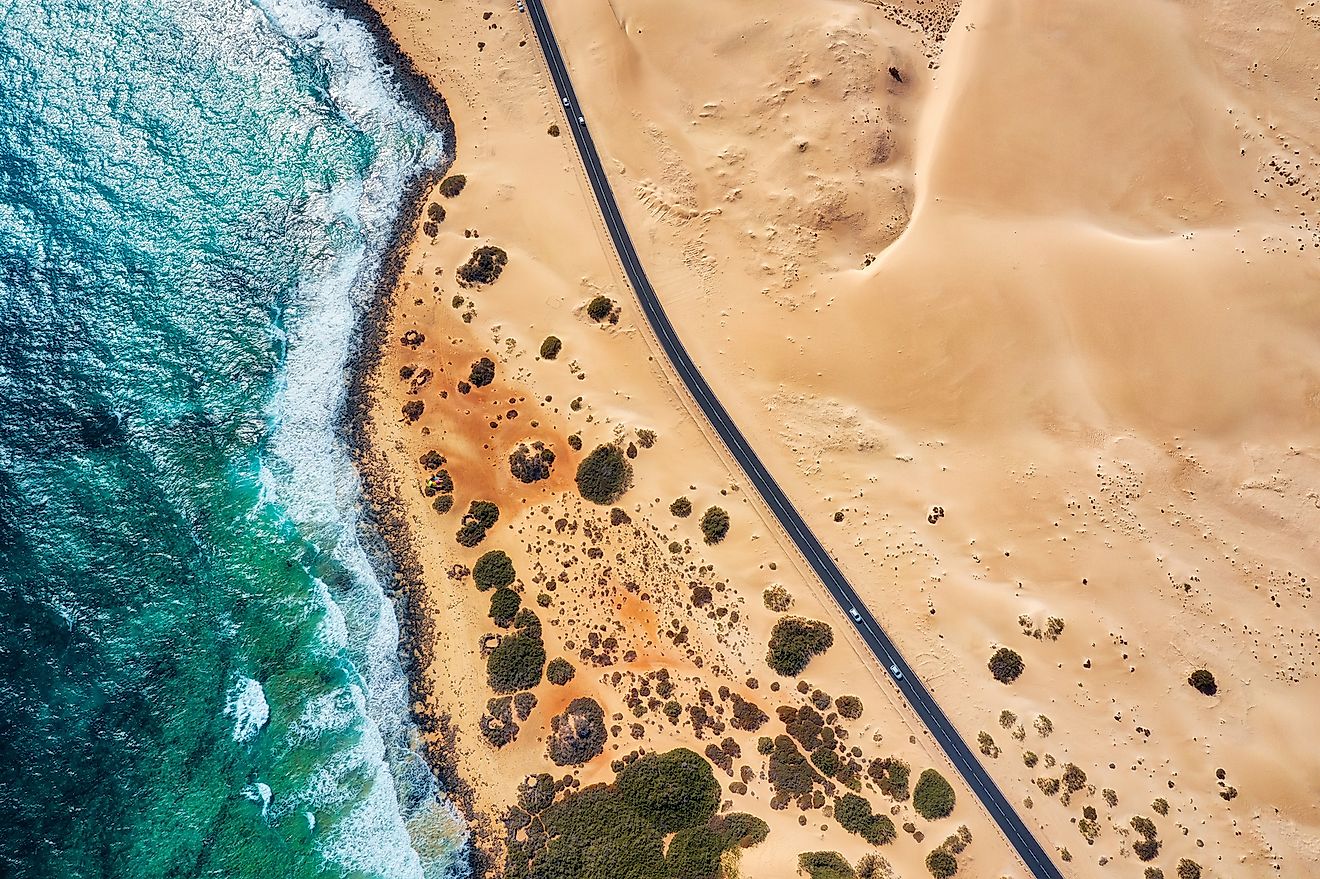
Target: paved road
[908,684]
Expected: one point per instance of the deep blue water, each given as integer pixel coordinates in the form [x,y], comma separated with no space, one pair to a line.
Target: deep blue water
[197,666]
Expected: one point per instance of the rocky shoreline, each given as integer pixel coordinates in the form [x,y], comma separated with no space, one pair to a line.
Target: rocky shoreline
[383,527]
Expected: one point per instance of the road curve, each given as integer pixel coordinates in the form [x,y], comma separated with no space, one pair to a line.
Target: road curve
[1028,848]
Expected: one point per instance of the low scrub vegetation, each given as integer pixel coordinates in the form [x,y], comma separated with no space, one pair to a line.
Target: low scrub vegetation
[1203,682]
[714,525]
[483,266]
[854,815]
[550,347]
[493,570]
[933,796]
[517,661]
[604,475]
[794,641]
[1006,665]
[600,308]
[452,185]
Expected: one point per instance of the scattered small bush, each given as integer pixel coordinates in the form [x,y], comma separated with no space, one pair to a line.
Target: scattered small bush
[575,442]
[891,777]
[681,508]
[1146,849]
[483,266]
[850,707]
[600,308]
[412,410]
[1154,873]
[933,796]
[560,671]
[604,475]
[1074,778]
[941,864]
[452,185]
[794,641]
[1006,665]
[432,460]
[1161,806]
[714,525]
[1203,682]
[825,865]
[493,570]
[531,464]
[1188,869]
[480,517]
[550,347]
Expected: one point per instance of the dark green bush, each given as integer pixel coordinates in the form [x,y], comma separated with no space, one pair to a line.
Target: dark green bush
[435,213]
[1188,869]
[493,570]
[578,734]
[1146,849]
[1203,682]
[850,707]
[714,525]
[599,308]
[1074,778]
[740,829]
[746,715]
[452,185]
[933,796]
[515,663]
[443,503]
[941,864]
[891,777]
[432,460]
[560,671]
[604,475]
[530,464]
[793,642]
[825,865]
[482,372]
[1006,665]
[504,603]
[483,266]
[673,790]
[854,815]
[485,513]
[575,442]
[790,773]
[536,792]
[694,853]
[470,533]
[412,410]
[681,508]
[826,760]
[550,347]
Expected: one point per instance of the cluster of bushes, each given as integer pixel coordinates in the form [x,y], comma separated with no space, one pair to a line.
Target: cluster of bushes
[412,410]
[777,598]
[714,525]
[1006,665]
[517,661]
[482,372]
[746,715]
[604,475]
[1148,844]
[790,772]
[854,815]
[483,266]
[681,508]
[531,464]
[1203,682]
[619,830]
[577,734]
[933,796]
[493,570]
[504,604]
[825,865]
[890,775]
[849,707]
[480,518]
[941,863]
[560,671]
[794,641]
[550,347]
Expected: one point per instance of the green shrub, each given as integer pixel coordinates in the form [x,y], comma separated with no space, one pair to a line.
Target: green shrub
[432,460]
[1188,869]
[470,533]
[560,671]
[933,796]
[825,865]
[515,663]
[681,508]
[493,570]
[578,734]
[504,603]
[599,308]
[550,347]
[575,442]
[1203,682]
[1074,778]
[1154,873]
[673,790]
[790,773]
[740,829]
[443,503]
[484,512]
[764,745]
[452,185]
[695,852]
[1146,849]
[849,707]
[536,792]
[854,815]
[826,760]
[1006,665]
[941,863]
[777,598]
[890,775]
[1160,805]
[482,372]
[484,266]
[604,475]
[714,525]
[794,641]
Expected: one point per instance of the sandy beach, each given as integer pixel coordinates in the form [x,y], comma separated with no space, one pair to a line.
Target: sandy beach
[1017,303]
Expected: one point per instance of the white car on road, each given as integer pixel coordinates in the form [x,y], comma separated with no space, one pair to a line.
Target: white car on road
[896,671]
[855,614]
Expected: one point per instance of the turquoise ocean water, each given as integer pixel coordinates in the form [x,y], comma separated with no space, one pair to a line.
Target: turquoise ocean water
[198,671]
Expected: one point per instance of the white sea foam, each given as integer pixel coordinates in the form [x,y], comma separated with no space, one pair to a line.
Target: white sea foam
[247,706]
[259,792]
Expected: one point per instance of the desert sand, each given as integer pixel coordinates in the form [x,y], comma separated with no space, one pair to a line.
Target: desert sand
[1047,267]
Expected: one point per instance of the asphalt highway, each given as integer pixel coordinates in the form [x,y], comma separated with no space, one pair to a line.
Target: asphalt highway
[855,610]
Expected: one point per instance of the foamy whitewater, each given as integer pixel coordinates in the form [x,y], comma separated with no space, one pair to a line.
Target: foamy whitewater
[199,662]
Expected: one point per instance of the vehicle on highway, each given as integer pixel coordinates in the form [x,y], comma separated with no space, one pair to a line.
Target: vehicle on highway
[565,102]
[896,671]
[581,121]
[852,612]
